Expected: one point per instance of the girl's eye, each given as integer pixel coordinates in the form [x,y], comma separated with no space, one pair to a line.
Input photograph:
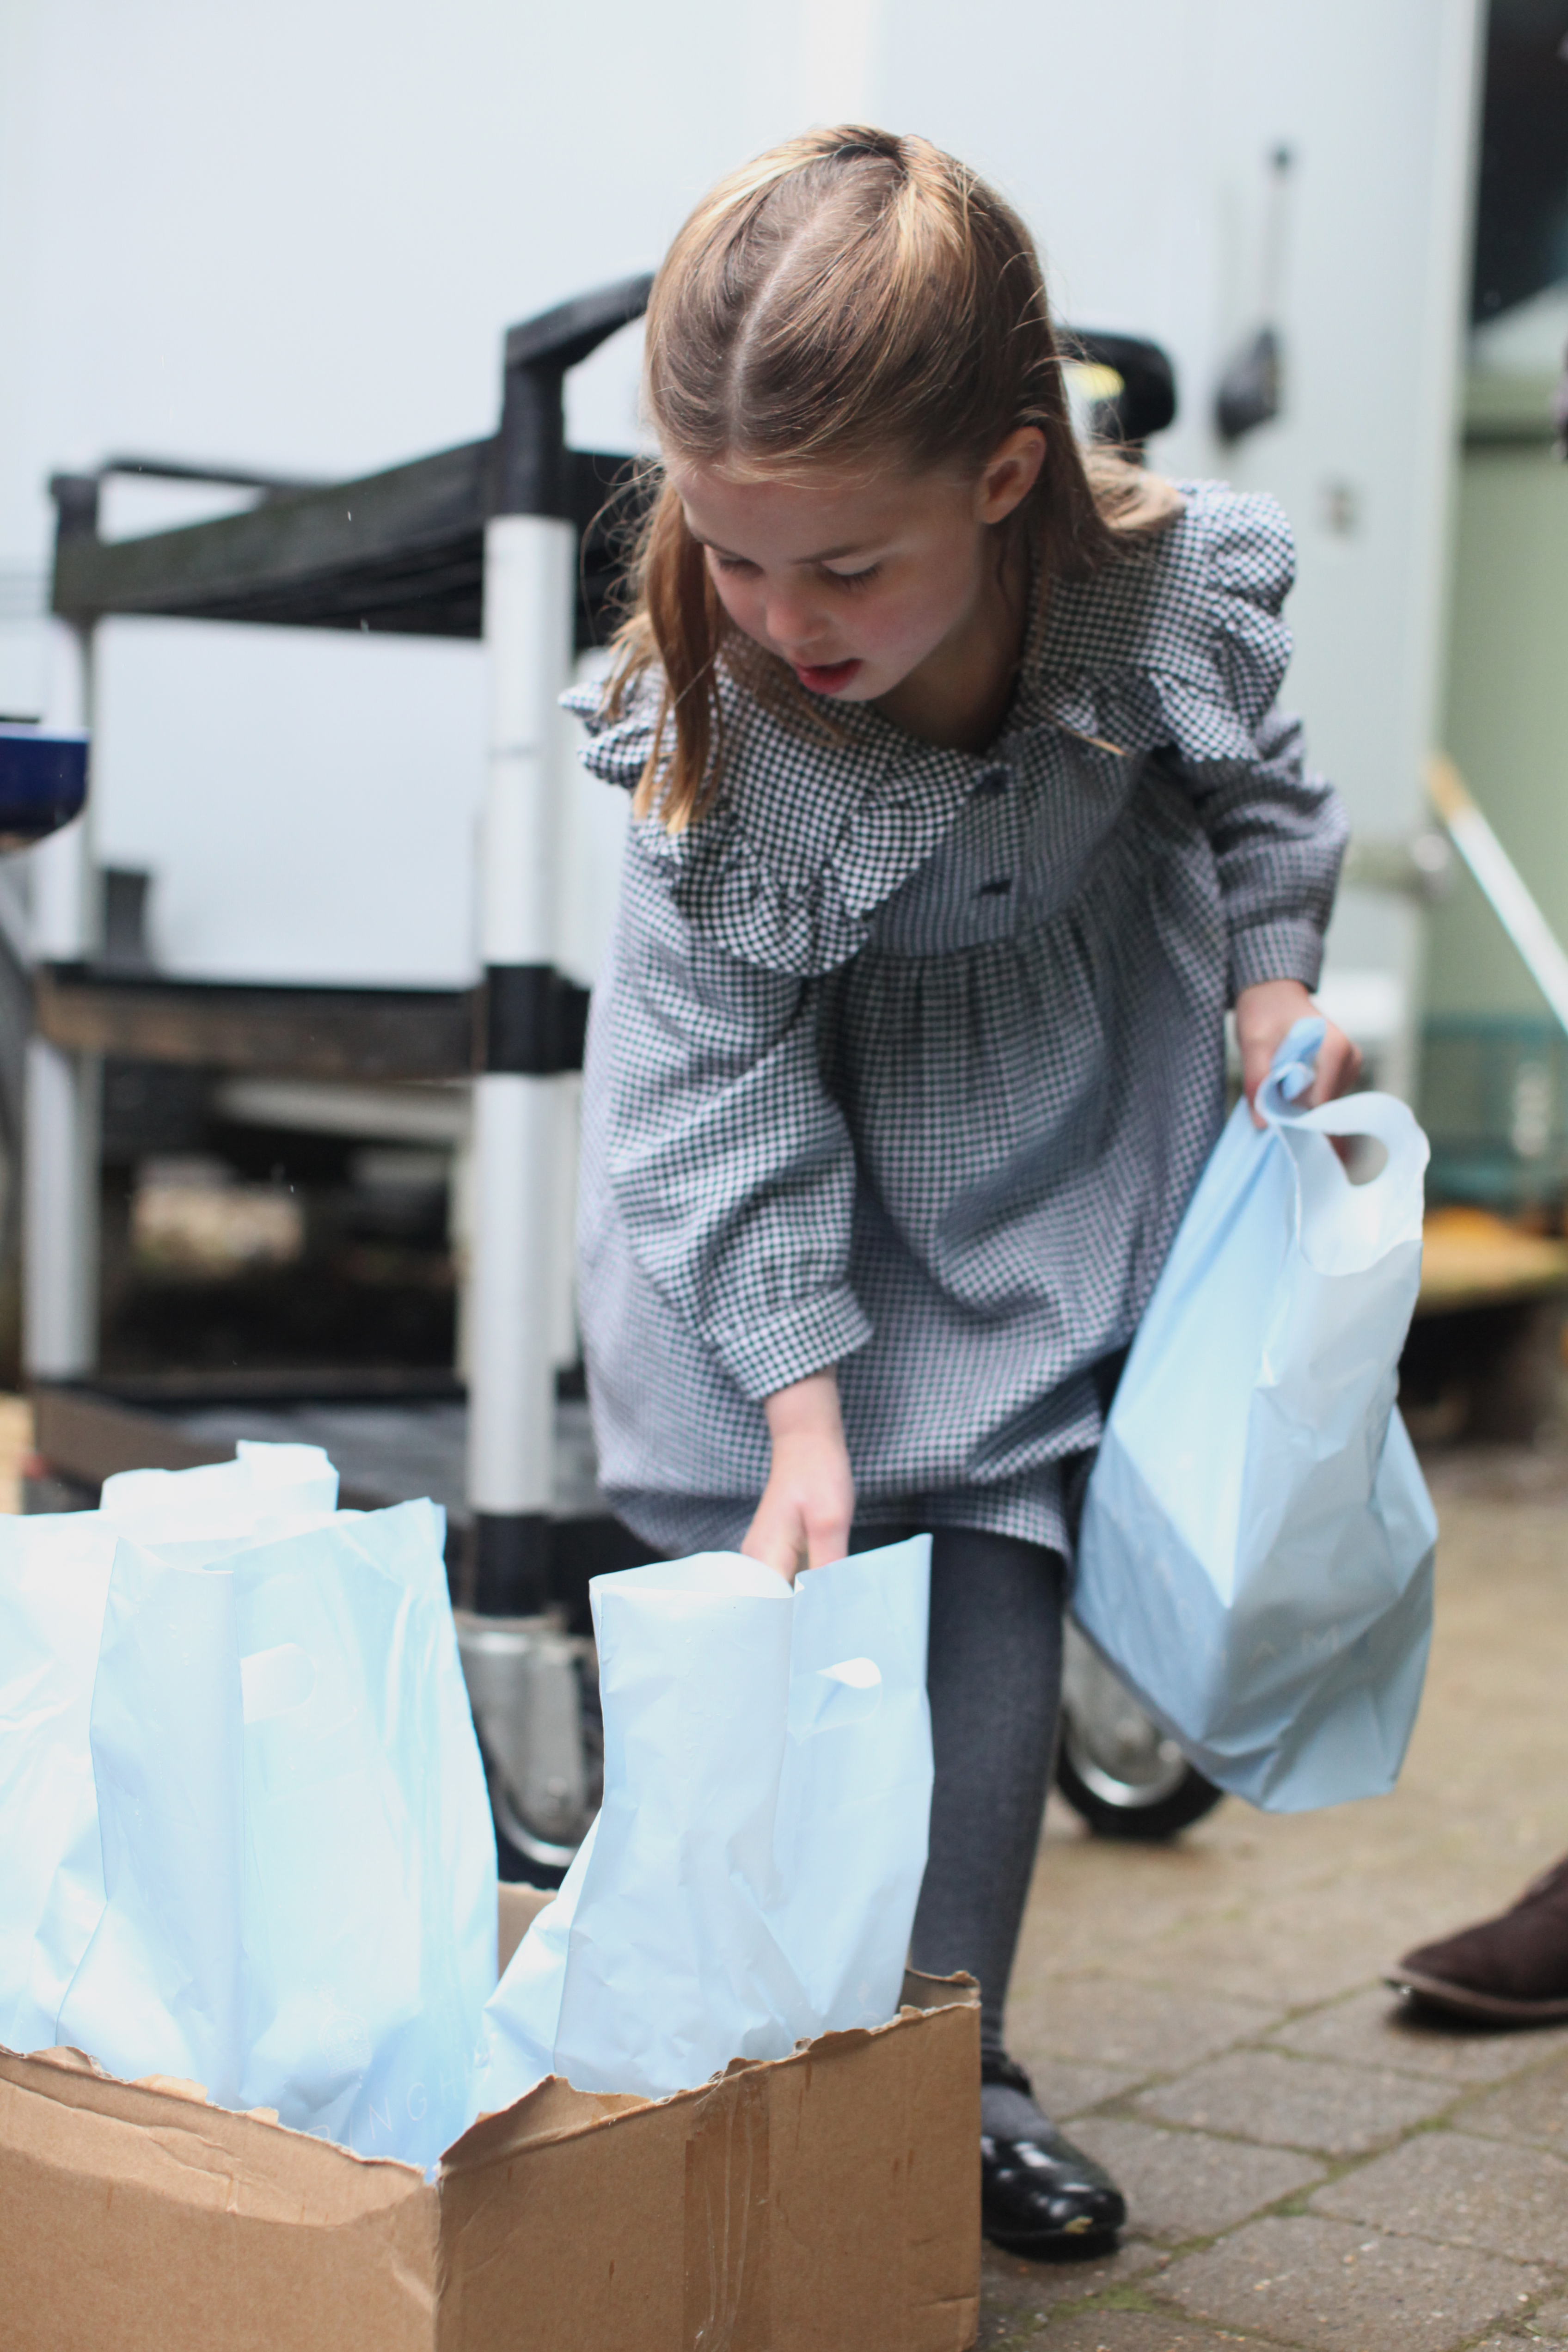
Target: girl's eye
[856,579]
[734,563]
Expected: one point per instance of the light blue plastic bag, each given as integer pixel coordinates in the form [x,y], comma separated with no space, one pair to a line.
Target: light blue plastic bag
[1256,1553]
[288,1893]
[53,1583]
[752,1878]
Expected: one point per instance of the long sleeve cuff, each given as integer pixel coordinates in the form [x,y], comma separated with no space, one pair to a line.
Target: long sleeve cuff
[1290,948]
[798,1341]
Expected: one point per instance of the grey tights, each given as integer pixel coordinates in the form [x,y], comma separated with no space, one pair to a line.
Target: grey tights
[994,1679]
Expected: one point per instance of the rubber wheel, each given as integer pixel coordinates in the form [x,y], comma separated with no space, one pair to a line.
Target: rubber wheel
[514,1868]
[522,1857]
[1146,1816]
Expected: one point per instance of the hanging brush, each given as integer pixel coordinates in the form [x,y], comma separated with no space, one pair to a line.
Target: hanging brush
[1252,387]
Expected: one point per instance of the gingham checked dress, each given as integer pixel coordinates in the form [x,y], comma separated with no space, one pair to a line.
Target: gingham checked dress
[907,1059]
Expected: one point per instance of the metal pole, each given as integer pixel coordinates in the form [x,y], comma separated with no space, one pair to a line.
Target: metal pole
[59,1196]
[518,1293]
[1504,887]
[530,562]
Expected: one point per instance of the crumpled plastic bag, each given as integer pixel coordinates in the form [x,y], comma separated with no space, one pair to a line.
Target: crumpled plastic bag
[752,1878]
[244,1832]
[1257,1547]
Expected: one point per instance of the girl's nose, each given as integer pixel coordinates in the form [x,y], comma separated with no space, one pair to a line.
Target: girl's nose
[793,622]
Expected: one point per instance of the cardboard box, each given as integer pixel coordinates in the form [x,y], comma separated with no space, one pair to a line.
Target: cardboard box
[825,2202]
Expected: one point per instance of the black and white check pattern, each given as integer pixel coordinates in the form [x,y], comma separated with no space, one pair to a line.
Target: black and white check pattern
[907,1060]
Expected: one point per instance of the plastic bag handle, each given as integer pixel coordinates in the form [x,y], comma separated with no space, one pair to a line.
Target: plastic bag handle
[1384,1117]
[835,1696]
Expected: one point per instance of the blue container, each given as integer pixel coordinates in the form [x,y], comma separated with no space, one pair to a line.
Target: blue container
[1494,1100]
[43,781]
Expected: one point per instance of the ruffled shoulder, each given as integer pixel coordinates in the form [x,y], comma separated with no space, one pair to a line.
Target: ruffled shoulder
[617,749]
[819,818]
[1181,643]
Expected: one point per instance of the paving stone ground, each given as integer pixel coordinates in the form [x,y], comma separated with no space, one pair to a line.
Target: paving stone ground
[1306,2164]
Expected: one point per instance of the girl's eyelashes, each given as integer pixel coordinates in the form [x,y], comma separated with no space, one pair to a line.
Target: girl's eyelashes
[740,566]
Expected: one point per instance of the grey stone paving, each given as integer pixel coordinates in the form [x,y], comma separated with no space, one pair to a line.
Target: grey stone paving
[1368,2028]
[1444,2185]
[1309,2166]
[1534,2108]
[1185,2184]
[1328,2285]
[1286,2102]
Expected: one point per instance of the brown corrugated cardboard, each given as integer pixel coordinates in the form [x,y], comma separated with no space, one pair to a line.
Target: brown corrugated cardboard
[825,2202]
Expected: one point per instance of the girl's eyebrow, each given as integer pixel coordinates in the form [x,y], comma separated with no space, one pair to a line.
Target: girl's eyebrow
[825,555]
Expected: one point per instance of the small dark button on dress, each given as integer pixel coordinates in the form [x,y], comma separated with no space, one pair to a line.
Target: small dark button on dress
[908,1061]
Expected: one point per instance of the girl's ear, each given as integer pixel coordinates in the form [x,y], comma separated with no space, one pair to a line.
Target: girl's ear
[1009,474]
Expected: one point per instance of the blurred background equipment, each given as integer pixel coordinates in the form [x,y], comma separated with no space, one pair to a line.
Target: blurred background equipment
[1493,1069]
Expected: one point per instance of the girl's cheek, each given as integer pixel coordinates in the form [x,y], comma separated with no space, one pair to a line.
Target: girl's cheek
[742,608]
[906,625]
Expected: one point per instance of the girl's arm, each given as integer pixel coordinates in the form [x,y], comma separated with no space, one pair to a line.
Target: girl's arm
[1277,832]
[803,1519]
[733,1175]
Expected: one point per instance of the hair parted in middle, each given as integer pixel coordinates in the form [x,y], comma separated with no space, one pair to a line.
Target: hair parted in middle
[849,299]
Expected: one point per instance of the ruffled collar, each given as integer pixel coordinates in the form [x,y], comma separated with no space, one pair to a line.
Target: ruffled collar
[816,825]
[811,830]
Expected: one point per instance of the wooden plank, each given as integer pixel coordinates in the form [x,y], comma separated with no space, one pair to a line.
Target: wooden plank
[399,553]
[325,1032]
[88,1438]
[1470,1258]
[268,1386]
[360,551]
[91,1437]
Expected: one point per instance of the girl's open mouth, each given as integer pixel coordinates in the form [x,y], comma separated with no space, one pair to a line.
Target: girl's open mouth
[826,677]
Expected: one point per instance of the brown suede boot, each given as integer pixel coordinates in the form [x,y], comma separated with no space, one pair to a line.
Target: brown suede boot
[1511,1970]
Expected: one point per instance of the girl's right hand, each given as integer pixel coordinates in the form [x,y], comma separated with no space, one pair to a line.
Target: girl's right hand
[803,1519]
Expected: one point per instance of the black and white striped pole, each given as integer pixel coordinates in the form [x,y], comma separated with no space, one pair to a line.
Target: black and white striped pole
[520,1145]
[60,1174]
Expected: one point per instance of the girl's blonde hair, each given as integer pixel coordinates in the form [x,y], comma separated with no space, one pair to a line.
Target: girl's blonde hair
[848,297]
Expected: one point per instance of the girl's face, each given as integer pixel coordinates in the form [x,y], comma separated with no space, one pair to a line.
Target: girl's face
[870,586]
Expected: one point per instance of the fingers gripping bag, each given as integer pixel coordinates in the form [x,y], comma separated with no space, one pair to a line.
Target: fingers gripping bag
[1256,1548]
[752,1878]
[294,1901]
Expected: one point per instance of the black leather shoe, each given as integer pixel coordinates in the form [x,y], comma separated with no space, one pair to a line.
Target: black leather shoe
[1042,2195]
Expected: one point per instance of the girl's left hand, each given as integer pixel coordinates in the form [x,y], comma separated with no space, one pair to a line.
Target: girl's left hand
[1264,1015]
[808,1503]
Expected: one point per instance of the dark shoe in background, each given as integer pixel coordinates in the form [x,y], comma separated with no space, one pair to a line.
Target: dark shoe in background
[1511,1970]
[1041,2195]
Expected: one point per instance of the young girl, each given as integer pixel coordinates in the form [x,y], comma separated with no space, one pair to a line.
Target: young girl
[962,810]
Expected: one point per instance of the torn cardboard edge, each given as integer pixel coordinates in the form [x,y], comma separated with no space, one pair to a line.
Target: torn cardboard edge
[140,2215]
[552,2109]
